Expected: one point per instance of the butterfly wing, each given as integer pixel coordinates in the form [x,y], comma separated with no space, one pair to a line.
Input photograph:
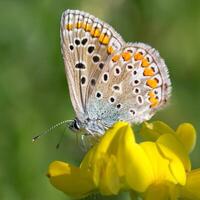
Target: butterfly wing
[132,87]
[86,44]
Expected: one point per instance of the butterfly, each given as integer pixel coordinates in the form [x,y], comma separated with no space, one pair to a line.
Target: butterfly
[109,80]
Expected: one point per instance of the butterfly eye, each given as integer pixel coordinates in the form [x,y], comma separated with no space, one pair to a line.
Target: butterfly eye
[75,125]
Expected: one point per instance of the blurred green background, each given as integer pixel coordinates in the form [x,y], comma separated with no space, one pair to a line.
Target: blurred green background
[33,88]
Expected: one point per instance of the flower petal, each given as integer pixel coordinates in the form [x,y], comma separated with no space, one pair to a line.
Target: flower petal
[138,169]
[156,170]
[175,166]
[174,144]
[124,143]
[132,161]
[109,183]
[102,160]
[187,135]
[70,179]
[151,131]
[88,159]
[162,160]
[192,188]
[108,146]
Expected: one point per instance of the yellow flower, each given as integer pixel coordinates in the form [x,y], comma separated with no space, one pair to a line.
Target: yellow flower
[156,169]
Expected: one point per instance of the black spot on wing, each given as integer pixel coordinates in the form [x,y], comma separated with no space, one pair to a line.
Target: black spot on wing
[80,66]
[84,41]
[90,49]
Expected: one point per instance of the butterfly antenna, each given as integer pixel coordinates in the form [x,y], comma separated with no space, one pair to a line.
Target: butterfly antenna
[61,138]
[50,129]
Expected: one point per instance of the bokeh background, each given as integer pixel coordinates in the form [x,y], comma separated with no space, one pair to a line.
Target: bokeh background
[33,88]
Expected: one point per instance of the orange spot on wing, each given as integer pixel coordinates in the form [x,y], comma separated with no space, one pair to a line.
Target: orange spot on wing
[69,27]
[110,50]
[145,62]
[126,55]
[78,24]
[105,39]
[83,26]
[154,101]
[92,31]
[151,94]
[138,56]
[97,32]
[152,83]
[101,37]
[115,58]
[88,27]
[148,72]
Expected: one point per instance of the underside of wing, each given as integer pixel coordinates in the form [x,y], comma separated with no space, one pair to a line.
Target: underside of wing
[132,87]
[86,44]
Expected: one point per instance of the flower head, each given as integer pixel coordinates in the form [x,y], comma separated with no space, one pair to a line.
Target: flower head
[117,162]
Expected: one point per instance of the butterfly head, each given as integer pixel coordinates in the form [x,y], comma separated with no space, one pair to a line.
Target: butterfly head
[74,125]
